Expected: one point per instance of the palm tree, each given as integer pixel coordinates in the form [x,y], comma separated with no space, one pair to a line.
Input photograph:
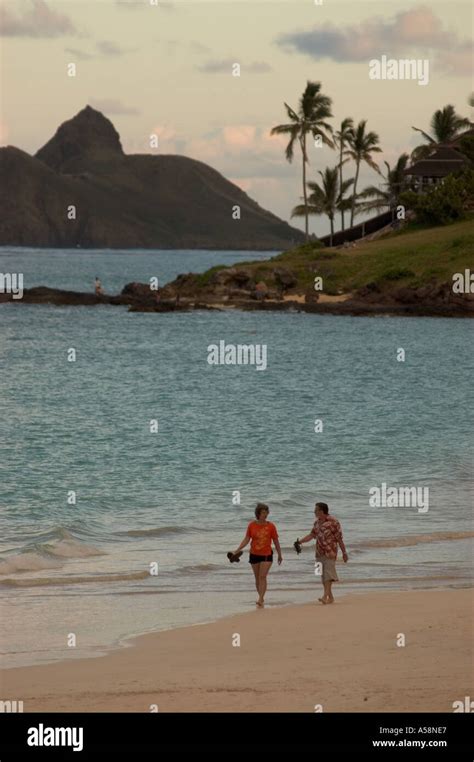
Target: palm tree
[361,145]
[395,183]
[445,125]
[313,110]
[327,198]
[341,138]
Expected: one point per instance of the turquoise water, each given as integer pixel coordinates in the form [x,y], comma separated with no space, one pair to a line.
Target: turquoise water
[166,497]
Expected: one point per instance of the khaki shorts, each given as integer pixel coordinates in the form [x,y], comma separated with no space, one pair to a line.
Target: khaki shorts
[328,572]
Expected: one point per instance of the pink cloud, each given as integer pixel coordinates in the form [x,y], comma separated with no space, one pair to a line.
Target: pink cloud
[419,26]
[239,136]
[415,31]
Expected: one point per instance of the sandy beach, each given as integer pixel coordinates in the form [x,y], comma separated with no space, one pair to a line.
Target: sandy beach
[343,657]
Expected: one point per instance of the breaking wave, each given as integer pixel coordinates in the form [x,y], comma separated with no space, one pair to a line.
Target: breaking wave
[47,555]
[158,532]
[74,580]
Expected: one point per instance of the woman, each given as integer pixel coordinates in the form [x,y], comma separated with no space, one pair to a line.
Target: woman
[261,532]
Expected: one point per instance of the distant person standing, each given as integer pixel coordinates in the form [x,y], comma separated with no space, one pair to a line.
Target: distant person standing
[328,535]
[99,291]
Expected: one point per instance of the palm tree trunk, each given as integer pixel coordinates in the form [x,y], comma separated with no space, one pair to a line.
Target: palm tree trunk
[355,191]
[303,148]
[340,183]
[331,220]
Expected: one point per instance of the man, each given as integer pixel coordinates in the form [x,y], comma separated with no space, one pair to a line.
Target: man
[99,291]
[328,535]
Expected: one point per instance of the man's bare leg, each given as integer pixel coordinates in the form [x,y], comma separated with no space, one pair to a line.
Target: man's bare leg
[328,596]
[328,592]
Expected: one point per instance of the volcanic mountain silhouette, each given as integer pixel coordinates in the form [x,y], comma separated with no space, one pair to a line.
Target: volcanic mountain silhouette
[81,189]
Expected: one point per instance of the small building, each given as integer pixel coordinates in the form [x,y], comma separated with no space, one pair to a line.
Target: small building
[430,171]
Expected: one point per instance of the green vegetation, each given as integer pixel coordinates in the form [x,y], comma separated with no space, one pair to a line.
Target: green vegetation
[313,110]
[326,198]
[446,125]
[362,145]
[358,144]
[412,259]
[445,203]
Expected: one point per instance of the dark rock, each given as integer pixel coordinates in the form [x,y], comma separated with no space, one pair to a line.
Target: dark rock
[371,292]
[284,277]
[139,290]
[241,277]
[311,296]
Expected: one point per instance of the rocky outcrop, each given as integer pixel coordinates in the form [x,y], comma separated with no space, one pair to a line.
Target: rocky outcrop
[234,287]
[187,293]
[284,278]
[430,298]
[81,190]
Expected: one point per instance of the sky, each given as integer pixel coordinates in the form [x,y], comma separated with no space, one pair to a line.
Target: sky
[167,69]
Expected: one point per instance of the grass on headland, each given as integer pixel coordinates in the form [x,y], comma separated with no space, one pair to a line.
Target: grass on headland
[412,258]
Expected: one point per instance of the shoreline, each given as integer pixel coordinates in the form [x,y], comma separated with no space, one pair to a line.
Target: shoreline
[290,658]
[328,305]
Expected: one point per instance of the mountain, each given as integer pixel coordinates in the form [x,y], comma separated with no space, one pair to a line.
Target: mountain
[124,201]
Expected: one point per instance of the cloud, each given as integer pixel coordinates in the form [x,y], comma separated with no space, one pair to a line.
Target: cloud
[134,5]
[130,5]
[111,49]
[79,54]
[237,150]
[417,30]
[37,20]
[175,46]
[241,136]
[169,141]
[198,47]
[224,66]
[457,61]
[258,67]
[113,106]
[105,48]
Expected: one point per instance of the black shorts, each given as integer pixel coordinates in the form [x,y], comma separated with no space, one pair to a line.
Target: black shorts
[253,559]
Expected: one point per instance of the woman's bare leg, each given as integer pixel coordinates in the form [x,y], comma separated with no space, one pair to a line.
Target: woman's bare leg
[256,571]
[264,569]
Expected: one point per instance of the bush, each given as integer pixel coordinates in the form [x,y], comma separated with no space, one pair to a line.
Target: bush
[398,274]
[466,145]
[446,202]
[310,248]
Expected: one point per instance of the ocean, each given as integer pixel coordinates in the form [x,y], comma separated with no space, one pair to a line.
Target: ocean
[93,497]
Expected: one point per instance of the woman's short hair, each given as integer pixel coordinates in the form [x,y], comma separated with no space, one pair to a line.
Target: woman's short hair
[261,507]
